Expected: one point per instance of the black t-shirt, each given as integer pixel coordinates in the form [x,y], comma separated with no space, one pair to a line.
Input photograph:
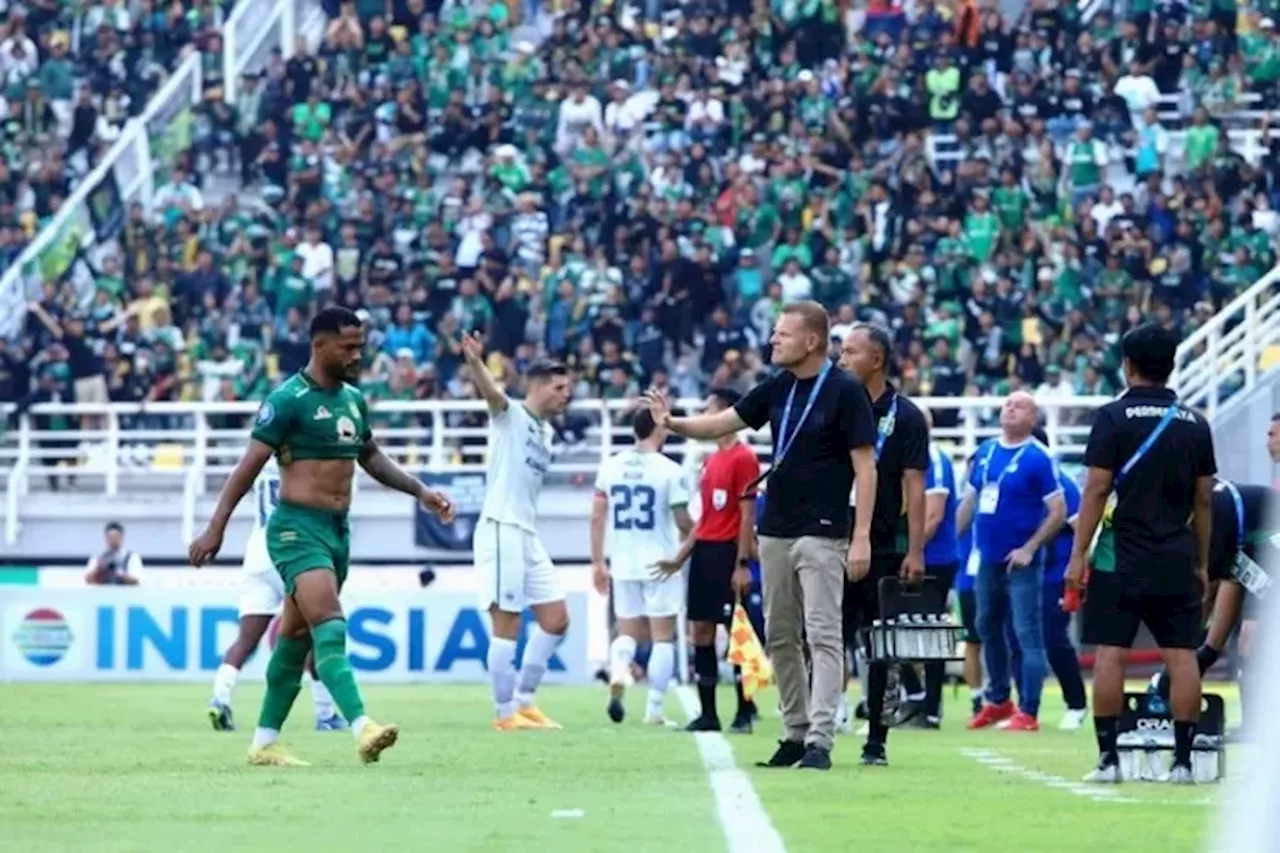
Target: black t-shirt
[1225,539]
[808,491]
[906,447]
[1154,502]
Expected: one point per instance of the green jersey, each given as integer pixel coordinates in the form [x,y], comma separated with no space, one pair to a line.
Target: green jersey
[301,420]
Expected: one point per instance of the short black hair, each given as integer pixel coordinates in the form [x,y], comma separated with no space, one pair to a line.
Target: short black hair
[1152,350]
[546,368]
[879,336]
[333,319]
[643,424]
[113,525]
[1040,435]
[727,396]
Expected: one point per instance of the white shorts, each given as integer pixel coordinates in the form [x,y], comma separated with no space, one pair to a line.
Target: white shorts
[262,593]
[514,569]
[648,598]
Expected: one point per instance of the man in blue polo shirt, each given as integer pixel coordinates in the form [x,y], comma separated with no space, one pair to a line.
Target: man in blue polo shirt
[1059,649]
[941,559]
[1015,502]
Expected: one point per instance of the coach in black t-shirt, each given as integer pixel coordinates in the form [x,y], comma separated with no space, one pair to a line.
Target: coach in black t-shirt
[823,435]
[902,456]
[1158,458]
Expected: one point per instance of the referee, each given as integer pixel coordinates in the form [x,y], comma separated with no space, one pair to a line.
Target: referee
[824,436]
[1158,458]
[902,456]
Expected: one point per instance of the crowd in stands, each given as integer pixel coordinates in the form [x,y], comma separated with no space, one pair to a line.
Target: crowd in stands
[638,190]
[71,76]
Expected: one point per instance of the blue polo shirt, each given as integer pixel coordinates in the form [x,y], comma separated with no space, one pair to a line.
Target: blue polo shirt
[1055,569]
[940,478]
[1011,485]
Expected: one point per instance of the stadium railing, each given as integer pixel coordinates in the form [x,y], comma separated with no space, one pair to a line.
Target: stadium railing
[93,215]
[190,446]
[1227,354]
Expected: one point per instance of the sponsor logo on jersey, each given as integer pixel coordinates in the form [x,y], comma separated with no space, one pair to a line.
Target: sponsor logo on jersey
[322,414]
[43,636]
[346,429]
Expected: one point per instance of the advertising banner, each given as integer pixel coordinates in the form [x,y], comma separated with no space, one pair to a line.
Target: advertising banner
[137,634]
[467,493]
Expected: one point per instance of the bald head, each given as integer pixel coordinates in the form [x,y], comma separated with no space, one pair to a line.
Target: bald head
[1018,417]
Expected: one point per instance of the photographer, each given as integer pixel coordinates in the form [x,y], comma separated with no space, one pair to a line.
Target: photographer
[115,566]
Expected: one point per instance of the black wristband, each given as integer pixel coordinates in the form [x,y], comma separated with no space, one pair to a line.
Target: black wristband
[743,562]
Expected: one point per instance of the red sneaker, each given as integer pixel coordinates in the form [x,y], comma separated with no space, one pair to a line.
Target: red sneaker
[1021,722]
[992,714]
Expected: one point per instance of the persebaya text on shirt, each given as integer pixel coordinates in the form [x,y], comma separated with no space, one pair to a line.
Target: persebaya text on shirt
[1157,412]
[537,454]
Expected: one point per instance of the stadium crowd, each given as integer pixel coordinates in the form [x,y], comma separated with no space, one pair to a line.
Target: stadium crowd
[640,190]
[71,76]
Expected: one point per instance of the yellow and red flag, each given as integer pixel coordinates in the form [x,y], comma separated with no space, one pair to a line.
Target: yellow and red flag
[745,651]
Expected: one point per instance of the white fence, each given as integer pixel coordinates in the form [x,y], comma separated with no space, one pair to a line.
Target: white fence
[1226,355]
[250,33]
[190,446]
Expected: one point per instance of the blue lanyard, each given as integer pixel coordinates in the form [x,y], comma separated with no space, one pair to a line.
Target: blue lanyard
[1148,443]
[885,428]
[1013,463]
[782,445]
[1239,504]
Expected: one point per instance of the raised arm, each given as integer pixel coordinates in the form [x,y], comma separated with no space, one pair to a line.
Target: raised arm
[700,427]
[473,351]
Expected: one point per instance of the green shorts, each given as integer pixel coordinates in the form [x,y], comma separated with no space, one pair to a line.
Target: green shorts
[301,539]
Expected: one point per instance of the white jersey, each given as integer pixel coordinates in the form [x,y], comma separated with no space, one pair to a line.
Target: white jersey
[643,489]
[519,454]
[266,493]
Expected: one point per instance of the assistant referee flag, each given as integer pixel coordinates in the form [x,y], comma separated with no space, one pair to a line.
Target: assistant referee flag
[746,652]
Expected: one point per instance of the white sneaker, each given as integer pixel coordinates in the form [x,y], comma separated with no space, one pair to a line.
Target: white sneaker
[660,721]
[863,730]
[1106,774]
[1180,774]
[1074,719]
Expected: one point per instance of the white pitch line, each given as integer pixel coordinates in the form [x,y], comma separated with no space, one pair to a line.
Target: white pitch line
[746,825]
[1096,793]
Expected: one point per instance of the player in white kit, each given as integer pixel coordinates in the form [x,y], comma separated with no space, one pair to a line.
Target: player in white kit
[641,503]
[514,569]
[260,602]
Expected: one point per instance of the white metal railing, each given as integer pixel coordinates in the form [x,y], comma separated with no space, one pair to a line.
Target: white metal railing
[257,27]
[1224,355]
[132,452]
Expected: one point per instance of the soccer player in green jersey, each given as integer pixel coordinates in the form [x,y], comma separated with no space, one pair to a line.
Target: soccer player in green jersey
[317,424]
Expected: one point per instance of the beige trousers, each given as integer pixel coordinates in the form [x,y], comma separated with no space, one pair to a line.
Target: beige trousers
[803,583]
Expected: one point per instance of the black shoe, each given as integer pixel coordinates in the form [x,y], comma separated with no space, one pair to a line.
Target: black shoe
[788,754]
[860,710]
[753,713]
[815,758]
[873,755]
[617,711]
[703,724]
[741,724]
[927,721]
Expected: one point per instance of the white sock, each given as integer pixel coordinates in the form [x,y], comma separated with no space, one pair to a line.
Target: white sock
[863,674]
[357,726]
[502,674]
[323,700]
[662,667]
[265,737]
[622,653]
[537,652]
[224,681]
